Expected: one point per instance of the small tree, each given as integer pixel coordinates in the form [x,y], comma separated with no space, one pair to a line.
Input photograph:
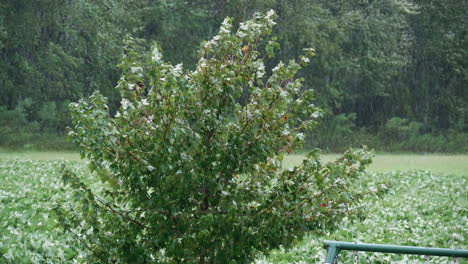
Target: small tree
[191,163]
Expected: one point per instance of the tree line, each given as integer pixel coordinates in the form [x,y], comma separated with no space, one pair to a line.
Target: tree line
[391,74]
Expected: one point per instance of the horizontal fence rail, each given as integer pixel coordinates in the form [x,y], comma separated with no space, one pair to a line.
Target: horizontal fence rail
[334,247]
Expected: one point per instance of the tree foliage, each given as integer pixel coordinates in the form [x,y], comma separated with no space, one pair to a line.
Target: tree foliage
[377,59]
[191,161]
[53,52]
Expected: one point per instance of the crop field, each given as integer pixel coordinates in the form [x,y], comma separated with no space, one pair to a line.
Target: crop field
[421,208]
[28,228]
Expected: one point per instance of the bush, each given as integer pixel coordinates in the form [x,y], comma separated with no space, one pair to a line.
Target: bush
[401,134]
[400,129]
[191,163]
[15,128]
[18,132]
[337,133]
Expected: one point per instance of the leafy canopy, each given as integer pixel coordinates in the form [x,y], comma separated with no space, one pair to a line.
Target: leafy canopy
[191,163]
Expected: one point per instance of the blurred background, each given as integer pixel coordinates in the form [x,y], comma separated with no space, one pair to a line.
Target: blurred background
[390,74]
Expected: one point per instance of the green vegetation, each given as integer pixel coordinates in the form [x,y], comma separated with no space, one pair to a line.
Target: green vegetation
[190,165]
[388,74]
[420,208]
[29,233]
[396,135]
[384,162]
[186,167]
[38,155]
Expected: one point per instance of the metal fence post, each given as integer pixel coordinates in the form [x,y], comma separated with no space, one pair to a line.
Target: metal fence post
[332,253]
[334,248]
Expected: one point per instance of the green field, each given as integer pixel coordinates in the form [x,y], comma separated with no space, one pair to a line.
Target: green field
[36,155]
[383,162]
[426,205]
[420,209]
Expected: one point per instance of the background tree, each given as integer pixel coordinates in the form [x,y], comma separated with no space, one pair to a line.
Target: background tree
[53,52]
[438,71]
[377,60]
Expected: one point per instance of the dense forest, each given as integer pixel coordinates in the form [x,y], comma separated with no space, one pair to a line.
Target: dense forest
[392,74]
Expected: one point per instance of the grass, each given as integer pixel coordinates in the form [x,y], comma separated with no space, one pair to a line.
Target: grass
[383,162]
[38,155]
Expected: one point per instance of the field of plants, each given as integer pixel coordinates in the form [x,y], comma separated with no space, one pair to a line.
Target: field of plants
[192,116]
[28,230]
[421,208]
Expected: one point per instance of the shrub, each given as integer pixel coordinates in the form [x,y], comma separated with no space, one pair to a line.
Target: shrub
[17,131]
[15,128]
[334,133]
[399,129]
[191,163]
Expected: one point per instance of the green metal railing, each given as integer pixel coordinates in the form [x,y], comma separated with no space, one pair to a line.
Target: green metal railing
[334,248]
